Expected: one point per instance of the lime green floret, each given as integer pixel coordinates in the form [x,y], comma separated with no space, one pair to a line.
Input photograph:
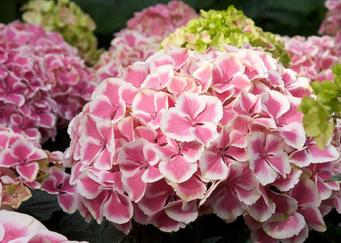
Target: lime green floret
[69,20]
[321,112]
[228,27]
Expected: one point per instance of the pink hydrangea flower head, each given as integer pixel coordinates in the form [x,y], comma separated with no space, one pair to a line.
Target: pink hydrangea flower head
[183,133]
[42,80]
[313,57]
[162,19]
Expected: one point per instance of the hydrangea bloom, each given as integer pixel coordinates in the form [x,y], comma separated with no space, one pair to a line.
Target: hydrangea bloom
[183,131]
[313,57]
[142,37]
[18,227]
[229,27]
[42,79]
[127,47]
[332,22]
[161,19]
[20,161]
[69,20]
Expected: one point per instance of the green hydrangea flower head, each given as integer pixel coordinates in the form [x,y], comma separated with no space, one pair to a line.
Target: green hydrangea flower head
[69,20]
[216,28]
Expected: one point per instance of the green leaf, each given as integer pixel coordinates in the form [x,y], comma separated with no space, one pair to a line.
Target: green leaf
[74,227]
[41,205]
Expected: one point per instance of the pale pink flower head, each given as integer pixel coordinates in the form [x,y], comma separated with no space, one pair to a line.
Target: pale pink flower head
[42,80]
[162,19]
[127,47]
[183,133]
[313,57]
[20,160]
[18,227]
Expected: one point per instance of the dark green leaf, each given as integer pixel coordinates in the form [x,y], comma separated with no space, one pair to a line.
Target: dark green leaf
[41,205]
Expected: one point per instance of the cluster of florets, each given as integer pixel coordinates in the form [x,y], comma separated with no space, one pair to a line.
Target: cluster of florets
[217,28]
[127,47]
[42,80]
[66,18]
[17,227]
[20,160]
[183,132]
[331,24]
[142,37]
[314,56]
[161,19]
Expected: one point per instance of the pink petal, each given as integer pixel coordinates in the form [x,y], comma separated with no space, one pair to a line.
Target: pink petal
[190,105]
[136,74]
[212,166]
[151,175]
[305,192]
[228,207]
[191,189]
[261,211]
[87,187]
[22,150]
[329,153]
[134,186]
[293,134]
[280,163]
[313,217]
[6,159]
[104,160]
[69,203]
[264,173]
[176,126]
[285,184]
[164,223]
[159,78]
[275,103]
[178,169]
[286,228]
[205,133]
[178,213]
[118,208]
[28,172]
[204,74]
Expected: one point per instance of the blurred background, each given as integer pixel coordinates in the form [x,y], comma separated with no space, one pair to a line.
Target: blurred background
[288,17]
